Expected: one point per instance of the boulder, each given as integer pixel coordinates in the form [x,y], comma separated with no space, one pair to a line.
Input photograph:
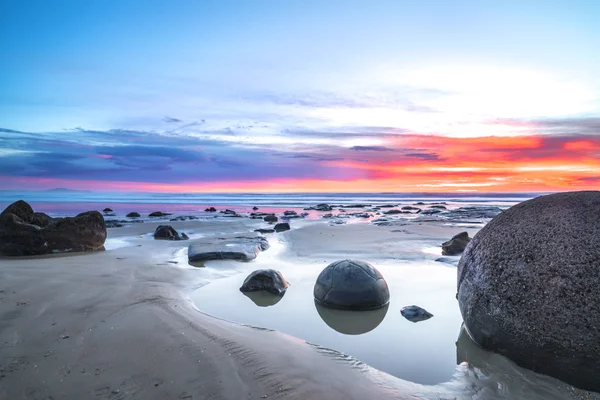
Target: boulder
[282,226]
[184,218]
[167,232]
[415,313]
[351,285]
[158,214]
[439,207]
[270,218]
[529,286]
[241,248]
[268,230]
[410,208]
[290,213]
[392,212]
[107,210]
[255,208]
[229,212]
[210,209]
[268,280]
[133,215]
[320,207]
[23,232]
[456,245]
[430,211]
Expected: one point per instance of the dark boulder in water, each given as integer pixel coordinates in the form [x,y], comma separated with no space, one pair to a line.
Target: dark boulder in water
[23,232]
[133,215]
[415,313]
[282,226]
[456,245]
[351,285]
[107,210]
[529,286]
[210,209]
[267,280]
[167,232]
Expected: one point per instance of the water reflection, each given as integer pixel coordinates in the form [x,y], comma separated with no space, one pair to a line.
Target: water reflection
[351,322]
[263,298]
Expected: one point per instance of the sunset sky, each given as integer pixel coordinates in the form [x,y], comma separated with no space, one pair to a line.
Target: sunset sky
[280,96]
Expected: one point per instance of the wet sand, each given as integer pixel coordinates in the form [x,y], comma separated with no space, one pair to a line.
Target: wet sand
[120,324]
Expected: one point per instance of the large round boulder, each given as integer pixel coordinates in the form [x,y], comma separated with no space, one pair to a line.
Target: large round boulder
[267,280]
[529,286]
[351,285]
[24,232]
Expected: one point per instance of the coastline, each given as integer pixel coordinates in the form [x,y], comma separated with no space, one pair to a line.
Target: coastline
[120,324]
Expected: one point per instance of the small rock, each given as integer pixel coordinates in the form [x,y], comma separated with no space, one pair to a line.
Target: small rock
[282,226]
[270,218]
[133,215]
[107,210]
[167,232]
[265,279]
[456,245]
[415,313]
[268,230]
[158,214]
[210,209]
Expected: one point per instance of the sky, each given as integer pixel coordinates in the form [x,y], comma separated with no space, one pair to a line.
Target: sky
[300,96]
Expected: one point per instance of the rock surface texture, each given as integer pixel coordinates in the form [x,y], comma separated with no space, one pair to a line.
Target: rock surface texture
[529,286]
[241,248]
[24,232]
[351,285]
[268,280]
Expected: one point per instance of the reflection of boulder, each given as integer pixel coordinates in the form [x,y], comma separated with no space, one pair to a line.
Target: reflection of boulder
[263,299]
[351,322]
[267,280]
[351,285]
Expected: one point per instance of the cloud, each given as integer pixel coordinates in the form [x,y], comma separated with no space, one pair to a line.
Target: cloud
[171,120]
[371,148]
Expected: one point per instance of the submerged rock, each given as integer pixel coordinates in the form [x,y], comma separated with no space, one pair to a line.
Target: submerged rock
[23,232]
[282,226]
[456,245]
[529,287]
[430,211]
[167,232]
[411,208]
[241,248]
[415,313]
[268,280]
[351,285]
[133,215]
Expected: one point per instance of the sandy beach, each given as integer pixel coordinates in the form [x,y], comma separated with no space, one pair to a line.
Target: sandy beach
[126,323]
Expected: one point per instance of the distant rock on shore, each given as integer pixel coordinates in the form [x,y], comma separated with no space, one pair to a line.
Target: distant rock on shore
[529,286]
[25,232]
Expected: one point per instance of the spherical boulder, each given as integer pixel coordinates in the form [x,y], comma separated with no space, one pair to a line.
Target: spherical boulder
[351,285]
[529,286]
[267,280]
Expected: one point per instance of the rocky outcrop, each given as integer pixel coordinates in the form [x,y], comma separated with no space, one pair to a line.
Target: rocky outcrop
[167,232]
[456,245]
[210,209]
[410,208]
[320,207]
[529,286]
[23,232]
[351,285]
[393,212]
[241,248]
[282,226]
[133,215]
[158,214]
[475,212]
[267,280]
[415,313]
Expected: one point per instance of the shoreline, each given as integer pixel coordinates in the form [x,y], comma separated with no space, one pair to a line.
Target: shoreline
[59,315]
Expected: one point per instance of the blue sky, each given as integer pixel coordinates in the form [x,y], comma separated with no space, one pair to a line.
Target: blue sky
[242,79]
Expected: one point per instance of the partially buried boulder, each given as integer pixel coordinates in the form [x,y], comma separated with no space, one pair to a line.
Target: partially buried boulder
[167,232]
[242,248]
[210,209]
[351,285]
[529,286]
[107,210]
[158,214]
[23,232]
[265,279]
[133,215]
[282,226]
[456,245]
